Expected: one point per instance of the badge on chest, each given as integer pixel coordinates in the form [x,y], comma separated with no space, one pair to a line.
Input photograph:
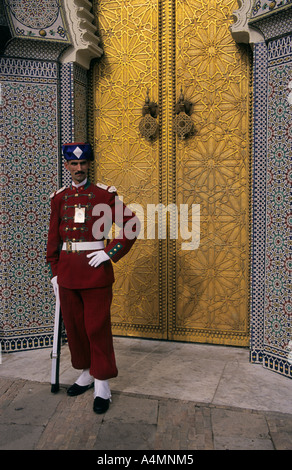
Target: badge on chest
[79,216]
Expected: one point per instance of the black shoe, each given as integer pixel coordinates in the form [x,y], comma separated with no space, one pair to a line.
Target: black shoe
[100,405]
[76,389]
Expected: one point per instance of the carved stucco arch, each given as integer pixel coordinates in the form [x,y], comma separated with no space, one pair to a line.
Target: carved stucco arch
[85,43]
[241,31]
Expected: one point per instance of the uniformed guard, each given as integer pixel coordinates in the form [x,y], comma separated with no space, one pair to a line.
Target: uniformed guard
[82,272]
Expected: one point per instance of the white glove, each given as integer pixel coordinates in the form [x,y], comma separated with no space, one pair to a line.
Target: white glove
[98,257]
[55,285]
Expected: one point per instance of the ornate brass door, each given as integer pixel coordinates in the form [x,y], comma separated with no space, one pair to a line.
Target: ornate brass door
[162,291]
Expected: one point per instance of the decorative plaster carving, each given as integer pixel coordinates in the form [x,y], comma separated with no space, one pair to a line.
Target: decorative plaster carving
[85,43]
[241,30]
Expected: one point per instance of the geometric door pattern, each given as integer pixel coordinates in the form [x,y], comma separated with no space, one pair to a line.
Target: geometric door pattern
[161,290]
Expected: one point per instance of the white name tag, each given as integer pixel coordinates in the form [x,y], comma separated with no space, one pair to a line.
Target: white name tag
[79,216]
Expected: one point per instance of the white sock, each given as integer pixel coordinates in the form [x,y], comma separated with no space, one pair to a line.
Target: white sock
[101,389]
[85,378]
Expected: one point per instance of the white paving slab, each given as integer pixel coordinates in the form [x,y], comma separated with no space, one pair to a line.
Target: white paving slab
[201,373]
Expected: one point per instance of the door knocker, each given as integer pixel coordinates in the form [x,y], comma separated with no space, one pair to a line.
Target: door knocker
[183,124]
[148,125]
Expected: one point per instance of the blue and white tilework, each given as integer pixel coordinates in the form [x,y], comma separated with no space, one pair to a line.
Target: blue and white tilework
[271,245]
[73,108]
[29,172]
[42,20]
[258,202]
[262,8]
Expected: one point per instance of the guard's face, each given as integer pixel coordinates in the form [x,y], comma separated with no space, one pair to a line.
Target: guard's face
[78,169]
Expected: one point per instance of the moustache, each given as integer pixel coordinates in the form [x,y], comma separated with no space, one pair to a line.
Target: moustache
[79,173]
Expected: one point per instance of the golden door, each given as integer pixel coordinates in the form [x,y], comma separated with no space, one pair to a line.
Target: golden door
[171,48]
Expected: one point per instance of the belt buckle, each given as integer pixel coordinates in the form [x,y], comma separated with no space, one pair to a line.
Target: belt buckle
[68,246]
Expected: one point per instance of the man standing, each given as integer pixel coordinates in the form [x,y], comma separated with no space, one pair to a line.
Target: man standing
[81,269]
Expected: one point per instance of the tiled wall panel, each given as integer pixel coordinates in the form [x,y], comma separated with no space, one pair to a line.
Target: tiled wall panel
[271,239]
[29,173]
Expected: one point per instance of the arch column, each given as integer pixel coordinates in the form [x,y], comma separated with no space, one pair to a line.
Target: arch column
[75,63]
[45,57]
[267,26]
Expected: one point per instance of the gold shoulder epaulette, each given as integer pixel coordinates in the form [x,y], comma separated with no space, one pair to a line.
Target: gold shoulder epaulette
[57,192]
[110,189]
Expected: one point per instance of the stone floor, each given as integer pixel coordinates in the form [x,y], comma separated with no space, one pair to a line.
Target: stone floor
[168,396]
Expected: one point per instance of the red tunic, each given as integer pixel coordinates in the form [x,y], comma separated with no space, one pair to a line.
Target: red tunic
[72,269]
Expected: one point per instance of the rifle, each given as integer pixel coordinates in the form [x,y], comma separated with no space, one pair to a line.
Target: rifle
[56,352]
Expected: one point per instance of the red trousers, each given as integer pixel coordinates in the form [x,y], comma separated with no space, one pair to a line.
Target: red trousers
[86,315]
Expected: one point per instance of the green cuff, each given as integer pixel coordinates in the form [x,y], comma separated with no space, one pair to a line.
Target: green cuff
[115,250]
